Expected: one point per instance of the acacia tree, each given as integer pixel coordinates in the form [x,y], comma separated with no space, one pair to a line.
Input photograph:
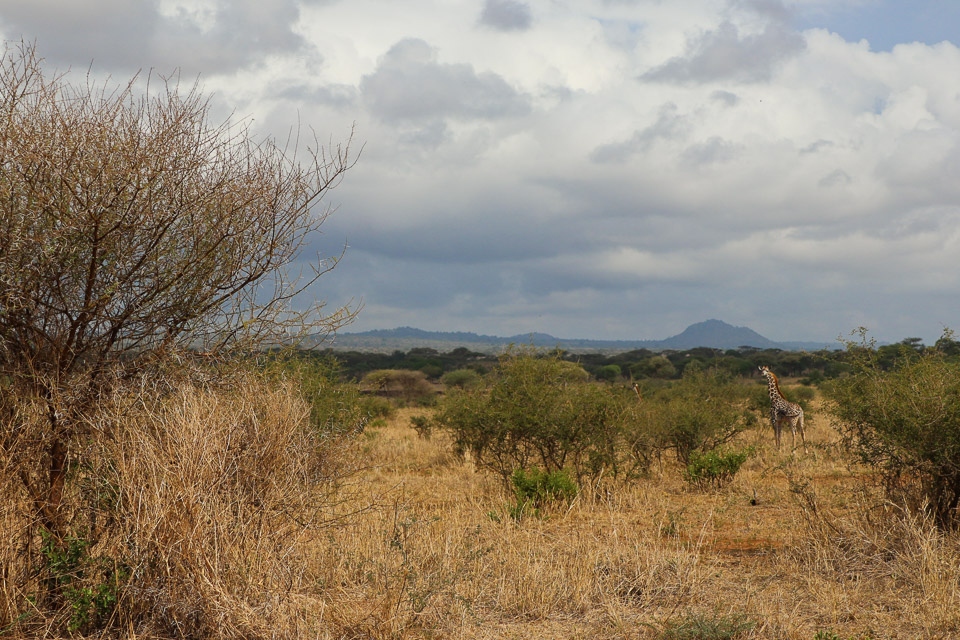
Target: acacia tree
[133,226]
[902,418]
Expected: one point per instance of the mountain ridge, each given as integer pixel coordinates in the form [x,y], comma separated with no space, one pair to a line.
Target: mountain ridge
[715,334]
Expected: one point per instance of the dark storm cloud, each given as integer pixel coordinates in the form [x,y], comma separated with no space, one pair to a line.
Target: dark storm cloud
[724,54]
[410,85]
[122,35]
[506,15]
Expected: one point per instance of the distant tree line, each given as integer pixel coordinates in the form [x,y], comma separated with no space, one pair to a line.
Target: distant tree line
[811,367]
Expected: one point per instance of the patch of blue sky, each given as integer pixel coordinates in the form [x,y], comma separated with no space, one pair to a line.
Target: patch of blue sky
[887,23]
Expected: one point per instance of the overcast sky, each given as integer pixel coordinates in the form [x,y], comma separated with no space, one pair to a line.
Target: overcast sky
[593,168]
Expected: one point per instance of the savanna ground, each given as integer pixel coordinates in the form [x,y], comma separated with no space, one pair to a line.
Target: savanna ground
[793,547]
[214,513]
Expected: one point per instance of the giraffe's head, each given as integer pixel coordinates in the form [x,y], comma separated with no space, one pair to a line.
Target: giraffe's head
[765,371]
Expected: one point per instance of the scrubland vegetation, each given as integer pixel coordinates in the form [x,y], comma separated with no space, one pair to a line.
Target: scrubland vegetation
[173,468]
[280,501]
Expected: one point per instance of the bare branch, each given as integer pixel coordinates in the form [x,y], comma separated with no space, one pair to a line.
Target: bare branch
[130,225]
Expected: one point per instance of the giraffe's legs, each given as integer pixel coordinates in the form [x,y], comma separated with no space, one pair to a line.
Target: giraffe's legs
[795,424]
[777,426]
[803,436]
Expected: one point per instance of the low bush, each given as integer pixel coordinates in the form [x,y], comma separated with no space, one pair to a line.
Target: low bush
[654,367]
[403,385]
[540,411]
[461,379]
[609,372]
[535,489]
[333,405]
[88,586]
[704,410]
[540,486]
[372,407]
[716,467]
[422,425]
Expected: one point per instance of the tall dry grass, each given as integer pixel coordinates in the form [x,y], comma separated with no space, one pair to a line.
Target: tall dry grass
[198,504]
[877,556]
[234,519]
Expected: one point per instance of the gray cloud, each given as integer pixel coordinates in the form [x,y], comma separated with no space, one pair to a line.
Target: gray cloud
[723,54]
[713,151]
[817,146]
[334,95]
[669,125]
[410,85]
[119,35]
[506,15]
[772,9]
[835,178]
[725,97]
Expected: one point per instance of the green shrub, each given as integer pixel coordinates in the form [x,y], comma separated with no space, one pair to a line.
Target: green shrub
[609,372]
[540,487]
[422,425]
[536,489]
[432,371]
[654,367]
[461,379]
[539,411]
[335,407]
[404,385]
[801,395]
[376,407]
[701,412]
[89,586]
[903,420]
[715,468]
[670,524]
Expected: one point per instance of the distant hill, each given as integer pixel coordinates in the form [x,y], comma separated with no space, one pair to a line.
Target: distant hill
[715,334]
[718,335]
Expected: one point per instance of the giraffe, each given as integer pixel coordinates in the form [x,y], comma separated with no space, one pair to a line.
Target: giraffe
[782,410]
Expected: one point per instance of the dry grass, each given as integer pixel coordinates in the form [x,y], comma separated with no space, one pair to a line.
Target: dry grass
[202,503]
[791,545]
[425,548]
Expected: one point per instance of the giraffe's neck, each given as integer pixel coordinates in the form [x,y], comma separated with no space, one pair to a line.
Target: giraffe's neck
[774,386]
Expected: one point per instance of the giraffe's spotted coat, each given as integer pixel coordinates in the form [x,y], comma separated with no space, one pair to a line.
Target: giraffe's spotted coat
[782,410]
